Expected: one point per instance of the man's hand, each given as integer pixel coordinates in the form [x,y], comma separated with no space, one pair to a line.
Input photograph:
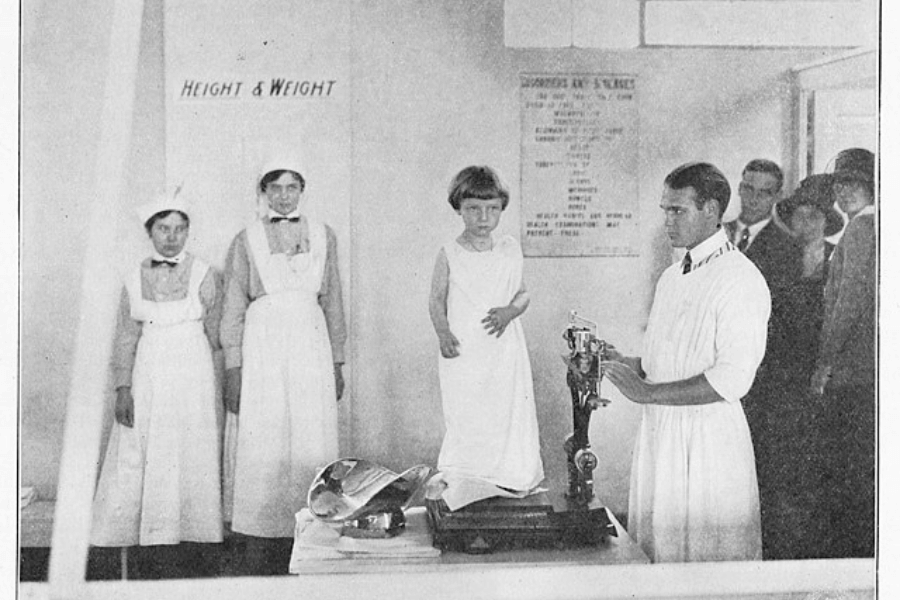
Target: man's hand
[124,406]
[629,383]
[498,318]
[338,380]
[819,380]
[449,344]
[233,389]
[613,355]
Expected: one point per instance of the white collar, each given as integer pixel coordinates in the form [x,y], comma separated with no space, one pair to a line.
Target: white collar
[708,246]
[755,228]
[868,210]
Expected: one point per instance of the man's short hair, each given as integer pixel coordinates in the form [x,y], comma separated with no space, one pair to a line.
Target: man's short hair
[707,181]
[763,165]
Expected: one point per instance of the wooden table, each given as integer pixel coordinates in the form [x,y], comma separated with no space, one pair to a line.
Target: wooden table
[620,550]
[36,528]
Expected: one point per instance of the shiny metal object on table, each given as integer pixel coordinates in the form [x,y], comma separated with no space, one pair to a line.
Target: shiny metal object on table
[365,497]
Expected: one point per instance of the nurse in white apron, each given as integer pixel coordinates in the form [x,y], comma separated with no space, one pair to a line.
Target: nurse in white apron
[283,335]
[160,480]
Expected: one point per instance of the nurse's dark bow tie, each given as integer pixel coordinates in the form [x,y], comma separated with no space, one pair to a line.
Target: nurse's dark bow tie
[162,263]
[282,219]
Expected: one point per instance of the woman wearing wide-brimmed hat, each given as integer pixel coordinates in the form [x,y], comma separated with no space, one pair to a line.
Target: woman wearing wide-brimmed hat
[844,379]
[811,217]
[785,438]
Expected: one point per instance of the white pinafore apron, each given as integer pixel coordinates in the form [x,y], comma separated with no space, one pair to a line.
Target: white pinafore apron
[288,414]
[160,479]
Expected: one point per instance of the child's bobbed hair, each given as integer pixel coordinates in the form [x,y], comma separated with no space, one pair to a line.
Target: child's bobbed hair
[477,182]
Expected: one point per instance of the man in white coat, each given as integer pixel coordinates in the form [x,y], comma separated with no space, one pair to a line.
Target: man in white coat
[694,494]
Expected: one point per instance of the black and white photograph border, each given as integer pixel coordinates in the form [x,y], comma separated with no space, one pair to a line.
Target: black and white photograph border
[570,581]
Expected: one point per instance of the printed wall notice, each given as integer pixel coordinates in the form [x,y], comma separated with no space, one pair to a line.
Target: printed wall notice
[579,165]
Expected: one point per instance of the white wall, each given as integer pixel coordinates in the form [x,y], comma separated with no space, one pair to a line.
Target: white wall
[434,90]
[64,57]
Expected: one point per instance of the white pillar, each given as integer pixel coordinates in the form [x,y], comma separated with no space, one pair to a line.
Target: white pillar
[84,411]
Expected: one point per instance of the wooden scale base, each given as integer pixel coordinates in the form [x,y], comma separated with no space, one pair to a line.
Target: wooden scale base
[505,524]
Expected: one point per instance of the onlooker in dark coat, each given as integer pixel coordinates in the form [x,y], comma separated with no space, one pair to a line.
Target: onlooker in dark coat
[845,368]
[811,217]
[779,259]
[790,470]
[755,233]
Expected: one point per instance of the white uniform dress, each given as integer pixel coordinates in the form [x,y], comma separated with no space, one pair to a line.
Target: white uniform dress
[694,493]
[488,399]
[160,482]
[288,413]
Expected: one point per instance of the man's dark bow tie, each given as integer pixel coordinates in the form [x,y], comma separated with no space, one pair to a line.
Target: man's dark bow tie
[281,219]
[162,263]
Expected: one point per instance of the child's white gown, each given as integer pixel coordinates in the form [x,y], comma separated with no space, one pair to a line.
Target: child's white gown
[487,391]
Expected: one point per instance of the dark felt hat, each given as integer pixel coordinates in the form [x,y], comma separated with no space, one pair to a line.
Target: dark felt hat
[816,191]
[854,164]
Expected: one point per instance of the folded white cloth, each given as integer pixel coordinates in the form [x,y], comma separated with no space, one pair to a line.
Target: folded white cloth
[315,540]
[458,491]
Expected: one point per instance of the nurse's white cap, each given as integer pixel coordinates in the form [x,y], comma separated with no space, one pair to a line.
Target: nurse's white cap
[163,203]
[282,160]
[276,159]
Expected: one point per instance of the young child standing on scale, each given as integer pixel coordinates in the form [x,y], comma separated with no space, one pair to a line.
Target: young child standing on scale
[477,295]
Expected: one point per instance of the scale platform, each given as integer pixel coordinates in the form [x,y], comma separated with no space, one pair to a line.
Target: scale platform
[507,523]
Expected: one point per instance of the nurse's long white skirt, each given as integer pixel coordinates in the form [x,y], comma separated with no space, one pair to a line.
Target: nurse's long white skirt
[160,482]
[288,415]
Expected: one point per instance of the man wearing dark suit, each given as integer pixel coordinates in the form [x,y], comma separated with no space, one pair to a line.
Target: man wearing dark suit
[771,249]
[779,259]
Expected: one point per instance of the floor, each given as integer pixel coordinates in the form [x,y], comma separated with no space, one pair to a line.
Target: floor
[237,556]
